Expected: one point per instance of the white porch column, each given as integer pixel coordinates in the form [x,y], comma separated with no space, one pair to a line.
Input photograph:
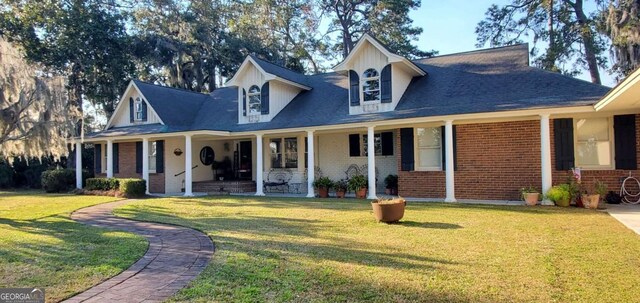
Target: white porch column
[259,165]
[545,156]
[109,158]
[311,166]
[188,164]
[371,163]
[145,161]
[78,165]
[449,159]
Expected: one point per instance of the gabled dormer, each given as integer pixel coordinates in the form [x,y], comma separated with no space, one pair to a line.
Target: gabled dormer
[264,89]
[133,109]
[377,77]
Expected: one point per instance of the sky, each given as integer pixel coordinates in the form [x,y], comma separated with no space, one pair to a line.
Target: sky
[449,27]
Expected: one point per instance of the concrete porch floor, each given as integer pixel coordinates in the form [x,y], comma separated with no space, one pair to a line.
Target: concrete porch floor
[627,214]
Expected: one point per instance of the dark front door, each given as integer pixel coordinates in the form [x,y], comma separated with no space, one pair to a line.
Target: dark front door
[246,161]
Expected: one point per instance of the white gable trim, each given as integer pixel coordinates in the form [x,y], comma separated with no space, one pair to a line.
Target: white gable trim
[132,85]
[393,58]
[268,77]
[619,92]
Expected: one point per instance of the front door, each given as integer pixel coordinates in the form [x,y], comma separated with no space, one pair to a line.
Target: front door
[245,161]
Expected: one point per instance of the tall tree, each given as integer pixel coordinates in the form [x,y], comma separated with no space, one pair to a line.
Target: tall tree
[564,25]
[34,118]
[83,40]
[388,20]
[621,23]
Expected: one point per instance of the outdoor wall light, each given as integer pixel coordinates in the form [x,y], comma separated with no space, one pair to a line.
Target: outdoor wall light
[177,152]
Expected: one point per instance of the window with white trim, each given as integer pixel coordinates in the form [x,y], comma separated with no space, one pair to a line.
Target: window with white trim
[152,156]
[253,97]
[428,148]
[138,109]
[289,150]
[370,85]
[594,143]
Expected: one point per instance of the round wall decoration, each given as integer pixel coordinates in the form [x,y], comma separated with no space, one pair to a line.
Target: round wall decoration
[207,155]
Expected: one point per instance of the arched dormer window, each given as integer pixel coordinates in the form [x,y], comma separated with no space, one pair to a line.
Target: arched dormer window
[254,100]
[370,85]
[138,109]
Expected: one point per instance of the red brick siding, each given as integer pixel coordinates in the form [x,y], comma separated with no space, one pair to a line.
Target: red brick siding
[127,167]
[495,160]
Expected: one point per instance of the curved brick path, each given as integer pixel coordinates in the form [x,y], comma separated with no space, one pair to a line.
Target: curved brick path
[176,255]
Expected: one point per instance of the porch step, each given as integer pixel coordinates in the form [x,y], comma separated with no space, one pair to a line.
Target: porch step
[224,187]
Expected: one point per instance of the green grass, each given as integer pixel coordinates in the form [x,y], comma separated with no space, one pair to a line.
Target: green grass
[41,247]
[299,250]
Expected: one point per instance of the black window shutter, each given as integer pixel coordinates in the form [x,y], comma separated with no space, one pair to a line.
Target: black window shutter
[160,156]
[563,141]
[131,113]
[244,102]
[354,145]
[386,138]
[264,99]
[139,157]
[385,83]
[444,148]
[406,146]
[354,88]
[144,110]
[116,158]
[97,158]
[624,127]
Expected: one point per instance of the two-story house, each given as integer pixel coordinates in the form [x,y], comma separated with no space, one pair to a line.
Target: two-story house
[474,125]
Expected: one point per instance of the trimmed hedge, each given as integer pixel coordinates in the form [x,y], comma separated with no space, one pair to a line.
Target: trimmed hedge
[133,188]
[59,180]
[103,184]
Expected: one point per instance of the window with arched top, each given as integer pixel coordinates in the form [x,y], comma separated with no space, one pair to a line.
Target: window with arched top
[138,109]
[370,85]
[254,100]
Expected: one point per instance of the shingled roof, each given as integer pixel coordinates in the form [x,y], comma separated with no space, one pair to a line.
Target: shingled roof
[281,72]
[492,80]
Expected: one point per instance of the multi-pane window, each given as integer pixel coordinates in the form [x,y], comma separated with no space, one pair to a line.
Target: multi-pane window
[593,143]
[284,152]
[429,148]
[377,144]
[138,109]
[371,85]
[152,156]
[254,100]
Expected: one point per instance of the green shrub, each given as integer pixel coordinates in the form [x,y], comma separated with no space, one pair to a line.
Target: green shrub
[357,182]
[323,182]
[6,175]
[58,180]
[560,194]
[103,184]
[133,188]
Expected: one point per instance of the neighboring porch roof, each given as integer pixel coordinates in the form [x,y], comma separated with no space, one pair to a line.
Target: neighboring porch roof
[626,95]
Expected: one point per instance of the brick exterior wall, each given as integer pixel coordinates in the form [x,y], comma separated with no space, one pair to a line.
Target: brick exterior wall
[495,160]
[127,167]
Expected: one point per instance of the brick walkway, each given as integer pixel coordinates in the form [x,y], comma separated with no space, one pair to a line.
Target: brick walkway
[176,255]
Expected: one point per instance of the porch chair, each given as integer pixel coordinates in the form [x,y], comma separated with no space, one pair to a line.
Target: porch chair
[277,179]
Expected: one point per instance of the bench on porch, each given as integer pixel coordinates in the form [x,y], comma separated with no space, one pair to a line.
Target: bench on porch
[277,180]
[354,170]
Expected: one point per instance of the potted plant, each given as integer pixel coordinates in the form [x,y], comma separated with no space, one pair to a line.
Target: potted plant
[341,188]
[358,184]
[592,200]
[530,195]
[323,184]
[388,210]
[560,195]
[391,185]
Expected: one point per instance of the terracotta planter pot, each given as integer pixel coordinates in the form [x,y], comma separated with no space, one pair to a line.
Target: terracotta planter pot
[563,203]
[531,198]
[323,192]
[579,201]
[340,193]
[361,193]
[590,201]
[388,213]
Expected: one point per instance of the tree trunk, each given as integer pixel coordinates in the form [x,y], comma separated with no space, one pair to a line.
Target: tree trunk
[588,40]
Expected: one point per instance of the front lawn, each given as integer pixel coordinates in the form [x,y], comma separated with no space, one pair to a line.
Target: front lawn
[283,250]
[41,247]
